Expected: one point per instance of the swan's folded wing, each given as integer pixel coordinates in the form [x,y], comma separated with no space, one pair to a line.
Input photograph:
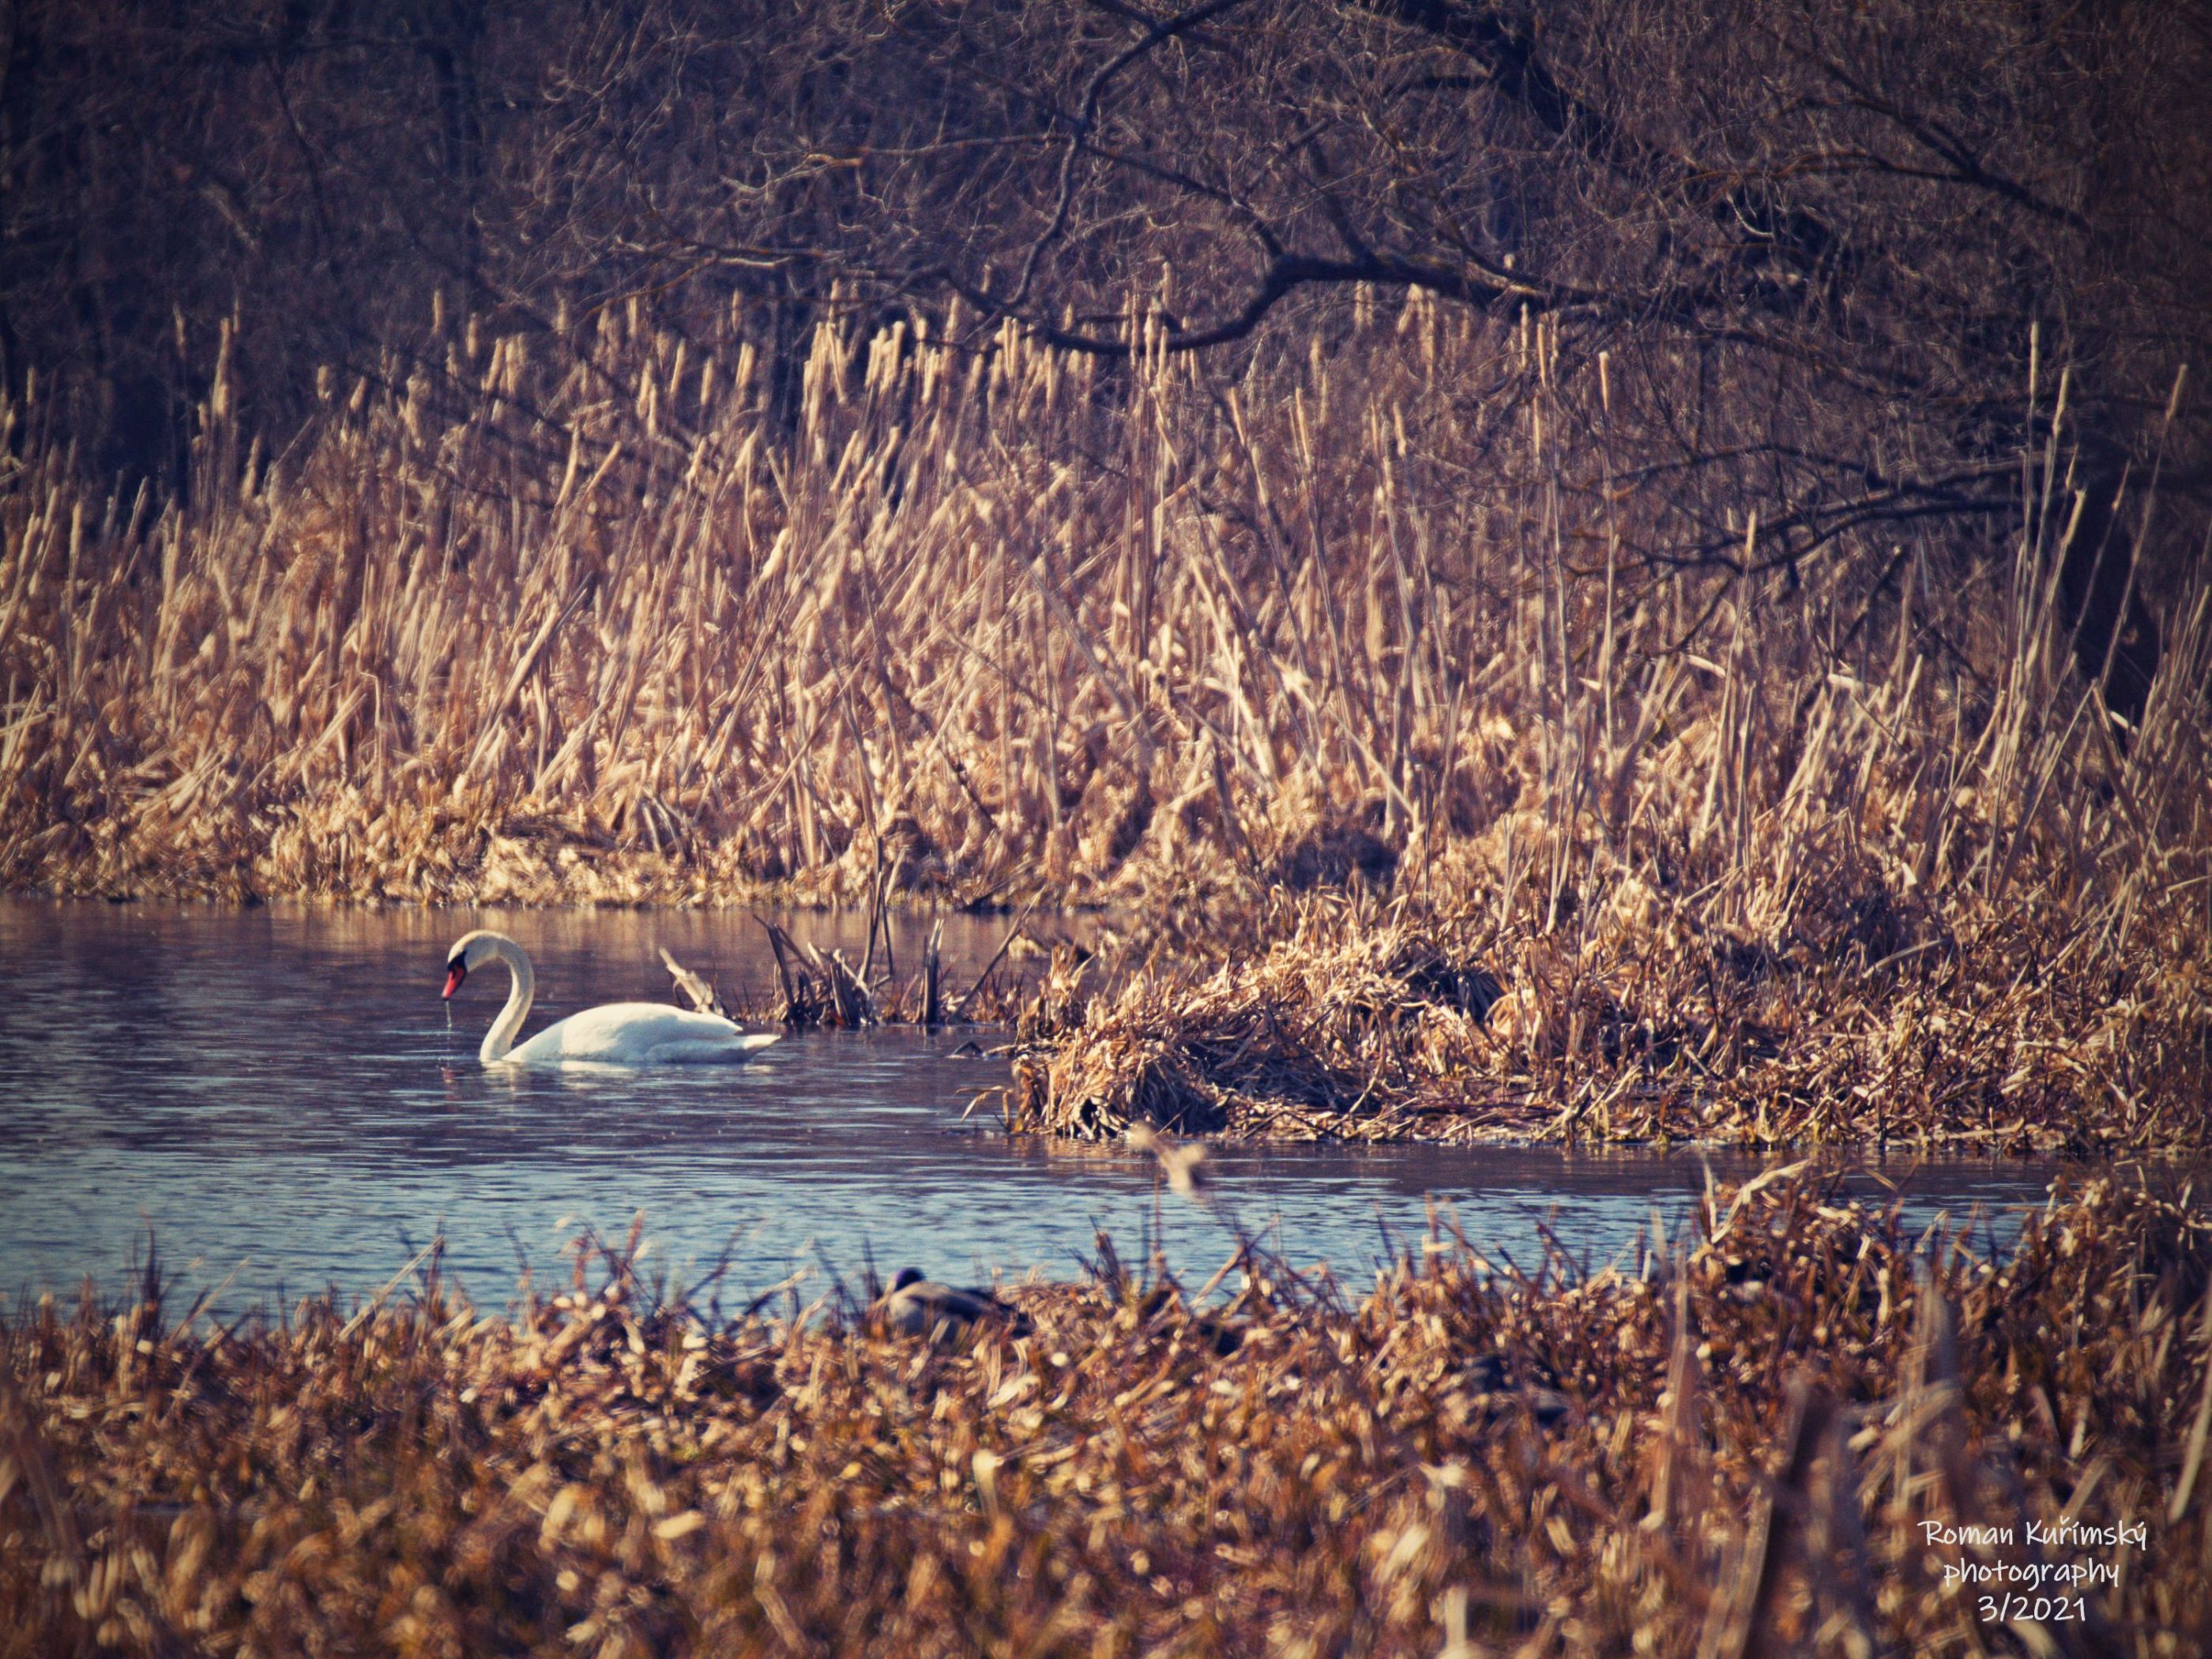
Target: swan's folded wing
[640,1034]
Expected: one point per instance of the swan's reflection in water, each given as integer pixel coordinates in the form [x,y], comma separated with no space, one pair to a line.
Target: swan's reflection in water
[284,1088]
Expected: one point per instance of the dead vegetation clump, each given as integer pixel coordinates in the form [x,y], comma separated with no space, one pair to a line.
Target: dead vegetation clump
[1631,1023]
[1741,1442]
[1330,1031]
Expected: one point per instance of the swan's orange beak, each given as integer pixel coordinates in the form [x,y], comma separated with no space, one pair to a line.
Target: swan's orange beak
[455,973]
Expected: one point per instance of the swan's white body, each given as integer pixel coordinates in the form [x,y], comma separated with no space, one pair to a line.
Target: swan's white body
[614,1034]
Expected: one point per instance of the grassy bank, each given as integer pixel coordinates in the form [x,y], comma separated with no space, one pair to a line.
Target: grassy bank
[1742,1446]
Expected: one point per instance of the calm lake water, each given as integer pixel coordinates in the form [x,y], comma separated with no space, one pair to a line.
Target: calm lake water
[281,1096]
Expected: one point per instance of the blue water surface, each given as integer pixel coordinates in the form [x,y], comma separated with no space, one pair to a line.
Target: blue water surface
[280,1100]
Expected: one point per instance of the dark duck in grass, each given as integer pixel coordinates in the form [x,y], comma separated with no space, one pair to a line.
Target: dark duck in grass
[919,1306]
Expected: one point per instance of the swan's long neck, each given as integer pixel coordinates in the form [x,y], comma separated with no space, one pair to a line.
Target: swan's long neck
[501,1038]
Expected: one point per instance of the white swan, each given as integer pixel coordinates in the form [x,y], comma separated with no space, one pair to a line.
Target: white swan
[615,1034]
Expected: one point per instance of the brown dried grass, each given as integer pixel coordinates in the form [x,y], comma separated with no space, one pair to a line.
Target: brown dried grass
[1359,1023]
[1734,1447]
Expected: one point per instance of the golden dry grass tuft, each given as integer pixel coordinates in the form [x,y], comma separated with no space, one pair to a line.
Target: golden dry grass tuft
[1337,1028]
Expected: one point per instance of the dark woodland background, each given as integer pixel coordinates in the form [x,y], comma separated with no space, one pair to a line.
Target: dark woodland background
[1843,228]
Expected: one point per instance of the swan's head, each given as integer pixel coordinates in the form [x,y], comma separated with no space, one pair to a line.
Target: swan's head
[469,951]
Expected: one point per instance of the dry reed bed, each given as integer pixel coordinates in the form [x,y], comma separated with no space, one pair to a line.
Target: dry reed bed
[1006,626]
[1738,1444]
[1356,1023]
